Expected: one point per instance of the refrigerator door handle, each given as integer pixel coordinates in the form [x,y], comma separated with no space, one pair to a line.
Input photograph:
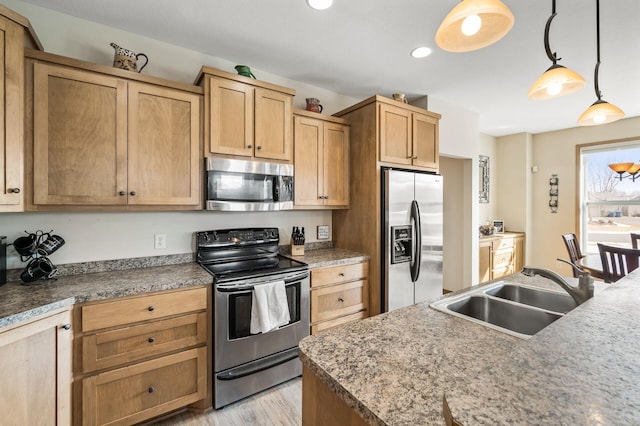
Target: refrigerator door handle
[417,241]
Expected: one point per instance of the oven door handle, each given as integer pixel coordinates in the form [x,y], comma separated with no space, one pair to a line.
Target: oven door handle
[258,366]
[237,288]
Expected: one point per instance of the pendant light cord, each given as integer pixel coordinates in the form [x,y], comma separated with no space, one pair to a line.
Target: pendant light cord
[552,56]
[595,77]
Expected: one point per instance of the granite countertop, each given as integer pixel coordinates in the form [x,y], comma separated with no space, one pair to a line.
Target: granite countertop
[394,368]
[84,282]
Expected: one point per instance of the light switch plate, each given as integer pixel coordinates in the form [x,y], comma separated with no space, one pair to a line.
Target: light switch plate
[323,232]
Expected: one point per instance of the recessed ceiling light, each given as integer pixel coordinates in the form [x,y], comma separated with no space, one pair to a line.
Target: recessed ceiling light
[421,52]
[320,4]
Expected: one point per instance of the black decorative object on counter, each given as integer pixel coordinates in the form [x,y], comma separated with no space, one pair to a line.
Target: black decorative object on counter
[34,248]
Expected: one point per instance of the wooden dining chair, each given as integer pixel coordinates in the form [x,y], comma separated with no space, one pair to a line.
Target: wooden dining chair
[573,248]
[634,240]
[617,261]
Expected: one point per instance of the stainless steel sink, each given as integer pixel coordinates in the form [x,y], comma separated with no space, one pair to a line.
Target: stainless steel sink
[549,300]
[512,308]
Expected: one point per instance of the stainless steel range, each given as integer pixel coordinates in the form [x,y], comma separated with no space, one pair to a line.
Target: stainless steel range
[243,362]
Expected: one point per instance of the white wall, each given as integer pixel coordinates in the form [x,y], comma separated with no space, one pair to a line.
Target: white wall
[459,142]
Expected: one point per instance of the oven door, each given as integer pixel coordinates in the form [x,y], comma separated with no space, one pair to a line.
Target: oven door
[234,343]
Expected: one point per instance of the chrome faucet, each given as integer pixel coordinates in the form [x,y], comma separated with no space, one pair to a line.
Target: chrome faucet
[581,293]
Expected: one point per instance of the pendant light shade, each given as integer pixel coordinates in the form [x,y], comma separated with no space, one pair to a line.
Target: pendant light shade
[600,112]
[557,80]
[474,24]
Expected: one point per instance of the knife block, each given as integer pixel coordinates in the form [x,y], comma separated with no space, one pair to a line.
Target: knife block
[297,250]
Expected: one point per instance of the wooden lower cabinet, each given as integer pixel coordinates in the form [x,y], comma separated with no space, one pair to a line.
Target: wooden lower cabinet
[500,255]
[35,372]
[339,294]
[144,390]
[142,356]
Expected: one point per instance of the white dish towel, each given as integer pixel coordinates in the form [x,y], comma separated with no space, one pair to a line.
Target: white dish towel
[269,308]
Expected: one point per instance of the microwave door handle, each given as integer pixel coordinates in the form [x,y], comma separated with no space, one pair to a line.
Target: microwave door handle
[276,188]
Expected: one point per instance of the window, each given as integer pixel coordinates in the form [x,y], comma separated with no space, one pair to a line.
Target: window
[609,206]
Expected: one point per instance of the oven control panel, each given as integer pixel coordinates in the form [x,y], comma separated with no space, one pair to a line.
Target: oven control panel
[242,236]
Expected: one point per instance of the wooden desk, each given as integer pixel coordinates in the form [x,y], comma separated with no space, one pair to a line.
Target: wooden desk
[592,264]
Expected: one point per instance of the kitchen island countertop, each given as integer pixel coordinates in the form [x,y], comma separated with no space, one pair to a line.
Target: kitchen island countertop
[582,369]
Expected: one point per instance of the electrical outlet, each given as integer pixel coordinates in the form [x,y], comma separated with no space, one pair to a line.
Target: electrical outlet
[160,241]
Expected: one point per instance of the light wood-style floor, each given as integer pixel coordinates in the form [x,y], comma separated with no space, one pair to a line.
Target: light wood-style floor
[280,405]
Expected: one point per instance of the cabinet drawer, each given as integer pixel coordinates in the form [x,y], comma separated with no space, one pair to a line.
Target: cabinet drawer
[339,274]
[112,348]
[503,243]
[337,300]
[133,394]
[147,307]
[501,272]
[325,325]
[502,258]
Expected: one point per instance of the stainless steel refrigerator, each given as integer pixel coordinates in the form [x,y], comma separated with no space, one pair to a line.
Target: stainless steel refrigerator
[413,219]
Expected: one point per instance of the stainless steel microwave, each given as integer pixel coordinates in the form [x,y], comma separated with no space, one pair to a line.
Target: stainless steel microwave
[241,185]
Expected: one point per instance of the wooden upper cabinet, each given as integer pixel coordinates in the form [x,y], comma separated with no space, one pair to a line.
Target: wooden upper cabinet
[273,125]
[408,137]
[395,135]
[100,138]
[163,146]
[80,137]
[15,33]
[245,117]
[321,159]
[230,107]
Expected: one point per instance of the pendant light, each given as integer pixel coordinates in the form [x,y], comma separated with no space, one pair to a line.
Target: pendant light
[557,80]
[600,112]
[474,24]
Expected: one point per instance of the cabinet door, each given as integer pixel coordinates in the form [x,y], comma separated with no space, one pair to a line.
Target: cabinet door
[139,392]
[273,125]
[425,141]
[336,164]
[35,366]
[308,153]
[163,146]
[80,137]
[518,253]
[230,115]
[12,113]
[395,135]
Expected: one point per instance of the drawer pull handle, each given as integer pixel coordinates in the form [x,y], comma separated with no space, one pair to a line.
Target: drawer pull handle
[152,389]
[151,339]
[151,308]
[340,299]
[67,326]
[14,190]
[341,274]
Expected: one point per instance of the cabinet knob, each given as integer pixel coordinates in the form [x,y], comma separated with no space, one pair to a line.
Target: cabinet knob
[341,274]
[151,308]
[132,193]
[340,299]
[249,146]
[122,193]
[152,389]
[258,147]
[414,157]
[13,190]
[67,326]
[151,339]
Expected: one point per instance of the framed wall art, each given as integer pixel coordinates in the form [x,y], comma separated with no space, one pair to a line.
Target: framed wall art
[483,167]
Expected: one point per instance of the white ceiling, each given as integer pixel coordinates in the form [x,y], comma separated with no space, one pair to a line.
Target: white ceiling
[361,47]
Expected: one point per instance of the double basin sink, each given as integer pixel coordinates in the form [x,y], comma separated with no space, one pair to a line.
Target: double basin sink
[512,308]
